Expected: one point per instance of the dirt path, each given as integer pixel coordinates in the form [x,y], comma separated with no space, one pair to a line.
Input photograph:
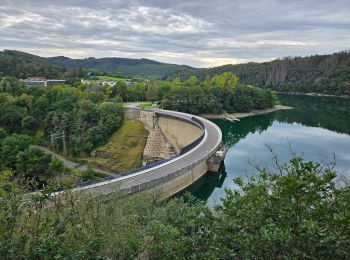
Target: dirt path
[73,165]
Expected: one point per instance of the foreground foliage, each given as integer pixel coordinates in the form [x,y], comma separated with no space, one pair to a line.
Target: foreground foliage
[297,212]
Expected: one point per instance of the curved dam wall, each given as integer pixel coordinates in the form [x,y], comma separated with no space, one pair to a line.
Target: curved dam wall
[197,140]
[179,131]
[168,184]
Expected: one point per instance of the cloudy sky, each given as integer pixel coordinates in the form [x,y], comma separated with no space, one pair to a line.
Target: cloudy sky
[200,33]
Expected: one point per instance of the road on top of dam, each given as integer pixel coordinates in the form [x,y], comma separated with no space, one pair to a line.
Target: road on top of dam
[203,150]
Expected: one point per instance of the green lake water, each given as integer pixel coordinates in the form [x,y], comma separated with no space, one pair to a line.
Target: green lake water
[317,128]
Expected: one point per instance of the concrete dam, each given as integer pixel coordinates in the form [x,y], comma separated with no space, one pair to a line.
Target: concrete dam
[195,147]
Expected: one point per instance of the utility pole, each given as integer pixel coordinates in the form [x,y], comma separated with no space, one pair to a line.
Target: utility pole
[64,143]
[62,136]
[52,141]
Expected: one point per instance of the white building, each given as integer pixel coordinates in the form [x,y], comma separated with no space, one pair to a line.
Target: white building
[102,82]
[41,81]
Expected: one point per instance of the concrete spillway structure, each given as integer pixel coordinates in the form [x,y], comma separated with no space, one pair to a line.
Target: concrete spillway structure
[196,142]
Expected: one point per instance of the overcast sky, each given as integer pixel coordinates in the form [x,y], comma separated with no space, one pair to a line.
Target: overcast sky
[200,33]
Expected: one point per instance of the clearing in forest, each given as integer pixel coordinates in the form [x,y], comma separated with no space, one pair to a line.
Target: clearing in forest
[124,149]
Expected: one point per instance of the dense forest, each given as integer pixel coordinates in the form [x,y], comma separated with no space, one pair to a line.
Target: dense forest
[328,74]
[28,116]
[218,94]
[295,212]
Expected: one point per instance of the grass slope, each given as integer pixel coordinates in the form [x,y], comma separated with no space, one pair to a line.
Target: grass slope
[124,149]
[145,105]
[112,78]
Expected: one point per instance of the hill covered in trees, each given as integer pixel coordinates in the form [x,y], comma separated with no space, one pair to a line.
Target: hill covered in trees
[123,66]
[328,74]
[21,65]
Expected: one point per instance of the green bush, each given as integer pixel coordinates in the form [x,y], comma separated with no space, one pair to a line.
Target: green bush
[295,213]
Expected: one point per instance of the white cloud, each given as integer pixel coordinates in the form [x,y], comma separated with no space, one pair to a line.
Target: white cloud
[231,43]
[195,32]
[144,19]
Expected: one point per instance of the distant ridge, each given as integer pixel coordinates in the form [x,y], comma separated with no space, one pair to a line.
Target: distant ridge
[123,66]
[21,65]
[327,74]
[92,62]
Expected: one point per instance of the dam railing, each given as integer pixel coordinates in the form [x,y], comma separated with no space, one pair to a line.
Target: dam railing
[184,150]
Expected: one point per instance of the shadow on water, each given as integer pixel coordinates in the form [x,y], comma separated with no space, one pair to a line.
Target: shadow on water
[211,181]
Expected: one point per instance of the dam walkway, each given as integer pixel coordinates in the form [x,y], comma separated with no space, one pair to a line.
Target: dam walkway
[172,175]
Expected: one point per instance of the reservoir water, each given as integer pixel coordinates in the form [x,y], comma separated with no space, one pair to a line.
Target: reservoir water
[317,128]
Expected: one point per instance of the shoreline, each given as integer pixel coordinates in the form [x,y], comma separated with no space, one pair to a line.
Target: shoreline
[312,94]
[246,114]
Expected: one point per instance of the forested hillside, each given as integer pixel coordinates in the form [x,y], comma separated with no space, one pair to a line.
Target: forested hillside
[123,66]
[21,65]
[329,74]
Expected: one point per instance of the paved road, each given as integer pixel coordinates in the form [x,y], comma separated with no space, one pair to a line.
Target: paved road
[204,150]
